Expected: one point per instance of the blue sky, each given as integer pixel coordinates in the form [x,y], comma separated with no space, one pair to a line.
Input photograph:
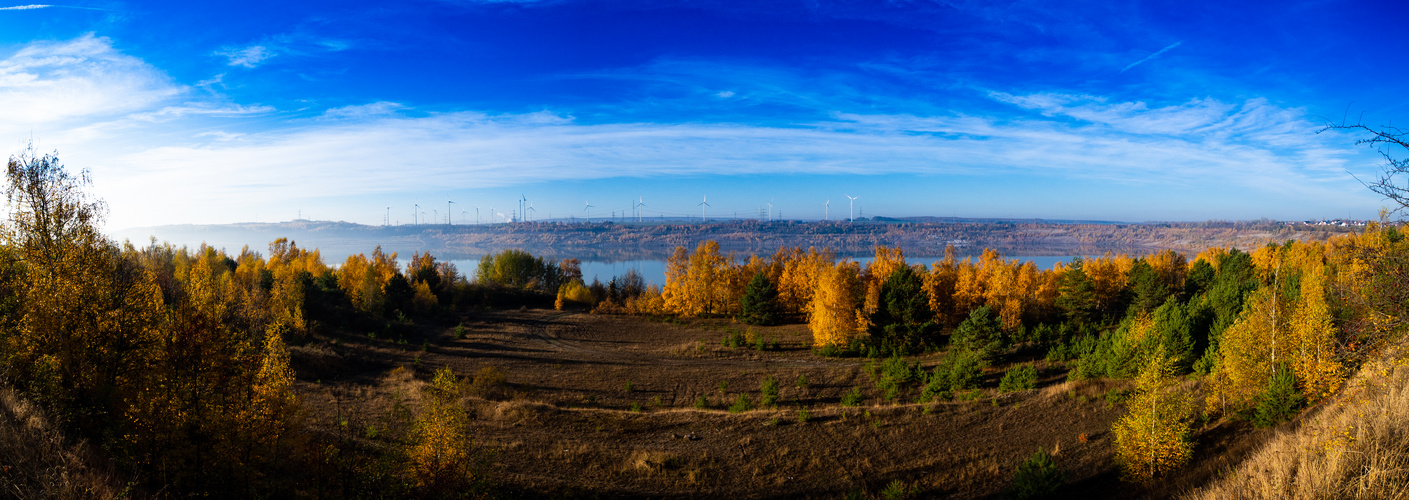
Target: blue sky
[1126,111]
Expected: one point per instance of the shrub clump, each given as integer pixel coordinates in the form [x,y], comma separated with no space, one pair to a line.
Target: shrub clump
[1037,477]
[770,392]
[489,383]
[1021,378]
[852,398]
[742,404]
[957,371]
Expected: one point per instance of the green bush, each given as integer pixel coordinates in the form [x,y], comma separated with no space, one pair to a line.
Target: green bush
[702,403]
[770,392]
[803,415]
[1279,401]
[894,375]
[957,370]
[899,490]
[852,397]
[1037,477]
[1022,378]
[742,404]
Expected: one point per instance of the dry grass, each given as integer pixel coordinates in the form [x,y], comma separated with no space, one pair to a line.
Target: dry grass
[36,462]
[1354,446]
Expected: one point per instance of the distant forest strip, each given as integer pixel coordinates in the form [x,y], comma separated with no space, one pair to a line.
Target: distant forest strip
[627,241]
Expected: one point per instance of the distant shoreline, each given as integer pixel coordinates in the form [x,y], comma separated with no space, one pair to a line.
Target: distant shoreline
[611,241]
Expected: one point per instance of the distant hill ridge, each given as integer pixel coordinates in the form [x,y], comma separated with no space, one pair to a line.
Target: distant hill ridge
[616,240]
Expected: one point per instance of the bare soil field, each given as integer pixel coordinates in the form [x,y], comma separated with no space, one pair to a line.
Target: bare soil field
[631,407]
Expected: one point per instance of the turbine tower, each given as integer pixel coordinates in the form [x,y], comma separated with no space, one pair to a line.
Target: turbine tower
[448,222]
[640,202]
[703,204]
[827,211]
[530,209]
[770,210]
[588,209]
[415,209]
[852,204]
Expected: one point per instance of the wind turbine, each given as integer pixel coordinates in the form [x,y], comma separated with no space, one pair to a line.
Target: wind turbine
[640,202]
[827,211]
[852,204]
[530,209]
[388,216]
[588,209]
[448,212]
[476,216]
[415,209]
[463,213]
[770,210]
[703,204]
[523,207]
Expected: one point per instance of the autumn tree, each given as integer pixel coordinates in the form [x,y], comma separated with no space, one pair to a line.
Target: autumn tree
[1153,438]
[83,319]
[834,315]
[440,450]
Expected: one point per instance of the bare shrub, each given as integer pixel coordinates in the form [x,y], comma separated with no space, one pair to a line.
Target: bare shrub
[490,383]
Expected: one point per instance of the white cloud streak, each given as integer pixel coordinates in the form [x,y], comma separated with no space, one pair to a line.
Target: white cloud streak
[1151,56]
[248,57]
[157,160]
[26,7]
[85,79]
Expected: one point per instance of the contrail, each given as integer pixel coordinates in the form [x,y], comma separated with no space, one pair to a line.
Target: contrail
[1152,56]
[45,6]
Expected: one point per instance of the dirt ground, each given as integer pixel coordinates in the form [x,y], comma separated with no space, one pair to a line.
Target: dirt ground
[610,406]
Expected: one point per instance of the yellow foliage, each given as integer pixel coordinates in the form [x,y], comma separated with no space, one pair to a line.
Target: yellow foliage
[573,292]
[1153,437]
[836,303]
[440,449]
[887,261]
[424,299]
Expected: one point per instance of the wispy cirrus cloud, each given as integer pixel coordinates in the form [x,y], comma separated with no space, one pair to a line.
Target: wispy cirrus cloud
[26,7]
[248,57]
[84,78]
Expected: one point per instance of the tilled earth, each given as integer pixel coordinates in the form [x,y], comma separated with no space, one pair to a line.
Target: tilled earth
[615,406]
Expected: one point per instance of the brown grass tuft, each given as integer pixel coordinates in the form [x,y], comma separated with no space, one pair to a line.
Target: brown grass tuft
[650,462]
[37,462]
[1354,446]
